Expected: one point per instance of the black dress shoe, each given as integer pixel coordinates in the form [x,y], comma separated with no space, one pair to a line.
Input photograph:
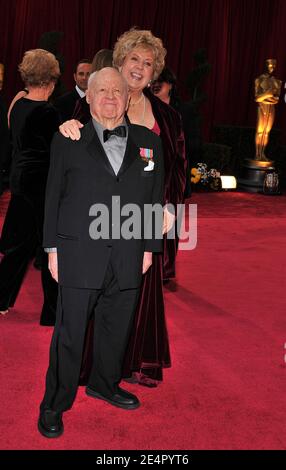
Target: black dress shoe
[50,423]
[121,398]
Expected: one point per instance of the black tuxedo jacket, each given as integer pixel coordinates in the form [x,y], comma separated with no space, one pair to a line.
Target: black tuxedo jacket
[66,104]
[80,176]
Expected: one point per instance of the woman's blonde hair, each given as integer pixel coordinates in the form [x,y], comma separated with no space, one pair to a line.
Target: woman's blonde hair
[140,38]
[39,68]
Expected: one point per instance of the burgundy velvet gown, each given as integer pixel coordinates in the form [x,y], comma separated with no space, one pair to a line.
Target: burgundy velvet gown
[148,349]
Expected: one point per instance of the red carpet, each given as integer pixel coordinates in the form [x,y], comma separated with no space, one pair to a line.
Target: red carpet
[227,324]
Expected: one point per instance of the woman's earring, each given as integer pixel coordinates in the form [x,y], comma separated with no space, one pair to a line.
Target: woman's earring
[149,83]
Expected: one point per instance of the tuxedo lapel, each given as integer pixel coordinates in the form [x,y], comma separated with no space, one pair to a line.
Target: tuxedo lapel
[131,154]
[95,148]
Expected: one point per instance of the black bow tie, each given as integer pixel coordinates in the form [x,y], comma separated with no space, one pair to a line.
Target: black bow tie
[120,131]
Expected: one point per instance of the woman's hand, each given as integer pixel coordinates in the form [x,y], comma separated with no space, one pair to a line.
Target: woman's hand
[147,261]
[71,129]
[53,265]
[168,221]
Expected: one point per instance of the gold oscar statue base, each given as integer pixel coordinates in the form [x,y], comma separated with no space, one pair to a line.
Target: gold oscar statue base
[253,174]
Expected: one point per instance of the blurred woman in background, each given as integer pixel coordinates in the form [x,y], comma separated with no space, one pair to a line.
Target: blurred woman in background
[33,122]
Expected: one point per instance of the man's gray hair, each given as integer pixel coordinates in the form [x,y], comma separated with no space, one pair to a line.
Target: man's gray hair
[93,76]
[91,79]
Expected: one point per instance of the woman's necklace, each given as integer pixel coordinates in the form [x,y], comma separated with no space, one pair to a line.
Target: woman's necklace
[144,108]
[138,101]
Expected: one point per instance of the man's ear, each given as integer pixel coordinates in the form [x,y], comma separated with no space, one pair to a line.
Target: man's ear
[74,77]
[87,96]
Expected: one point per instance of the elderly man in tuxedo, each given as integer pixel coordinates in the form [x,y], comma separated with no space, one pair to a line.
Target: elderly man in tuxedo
[115,163]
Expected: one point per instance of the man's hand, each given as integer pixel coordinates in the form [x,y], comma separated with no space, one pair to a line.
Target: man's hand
[147,261]
[71,129]
[53,265]
[168,221]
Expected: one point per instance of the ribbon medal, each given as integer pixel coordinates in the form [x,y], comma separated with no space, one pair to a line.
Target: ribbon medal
[146,154]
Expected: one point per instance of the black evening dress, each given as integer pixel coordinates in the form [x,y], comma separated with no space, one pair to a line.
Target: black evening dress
[33,124]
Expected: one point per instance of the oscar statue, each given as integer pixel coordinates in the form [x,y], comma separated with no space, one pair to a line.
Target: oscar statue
[267,92]
[1,75]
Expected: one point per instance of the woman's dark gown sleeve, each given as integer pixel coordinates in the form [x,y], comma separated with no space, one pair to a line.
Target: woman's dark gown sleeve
[81,111]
